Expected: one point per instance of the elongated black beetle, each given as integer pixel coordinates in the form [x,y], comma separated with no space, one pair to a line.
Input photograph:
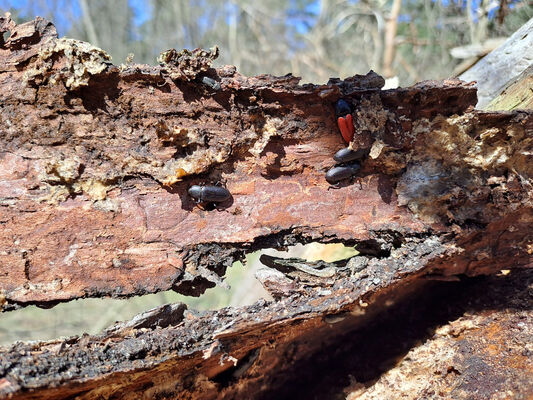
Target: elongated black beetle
[346,155]
[337,174]
[209,193]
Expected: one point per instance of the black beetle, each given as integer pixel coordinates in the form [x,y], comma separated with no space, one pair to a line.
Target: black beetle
[337,174]
[342,108]
[209,193]
[346,155]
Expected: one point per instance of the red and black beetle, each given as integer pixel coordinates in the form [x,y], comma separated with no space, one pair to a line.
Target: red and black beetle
[343,112]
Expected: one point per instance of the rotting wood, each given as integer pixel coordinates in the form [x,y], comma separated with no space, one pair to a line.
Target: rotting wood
[324,343]
[95,164]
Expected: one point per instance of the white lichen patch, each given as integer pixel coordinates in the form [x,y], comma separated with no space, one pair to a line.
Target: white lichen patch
[62,170]
[198,162]
[203,159]
[76,62]
[445,175]
[95,189]
[459,140]
[62,178]
[177,135]
[270,128]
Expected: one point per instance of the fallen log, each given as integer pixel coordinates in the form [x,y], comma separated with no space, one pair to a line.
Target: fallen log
[96,161]
[505,63]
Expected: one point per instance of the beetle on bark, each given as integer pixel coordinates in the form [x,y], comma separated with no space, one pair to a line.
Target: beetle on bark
[209,193]
[342,173]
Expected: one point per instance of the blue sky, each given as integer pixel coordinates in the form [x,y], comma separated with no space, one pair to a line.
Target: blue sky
[141,11]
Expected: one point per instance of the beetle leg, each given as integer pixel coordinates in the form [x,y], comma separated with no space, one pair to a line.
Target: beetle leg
[357,179]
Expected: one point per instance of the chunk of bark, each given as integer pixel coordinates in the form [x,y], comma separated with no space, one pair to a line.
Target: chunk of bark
[463,340]
[185,64]
[118,147]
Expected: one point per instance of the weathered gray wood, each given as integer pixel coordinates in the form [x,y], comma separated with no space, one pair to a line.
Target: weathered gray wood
[505,63]
[517,93]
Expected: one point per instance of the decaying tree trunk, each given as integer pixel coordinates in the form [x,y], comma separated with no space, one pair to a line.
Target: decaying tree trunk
[95,163]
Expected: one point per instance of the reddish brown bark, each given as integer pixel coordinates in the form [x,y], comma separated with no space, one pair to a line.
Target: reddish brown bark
[95,178]
[96,160]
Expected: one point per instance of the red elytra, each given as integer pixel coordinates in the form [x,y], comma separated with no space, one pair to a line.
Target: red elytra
[349,122]
[346,127]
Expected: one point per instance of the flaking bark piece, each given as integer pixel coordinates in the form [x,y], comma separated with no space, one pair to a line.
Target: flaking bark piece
[26,34]
[292,263]
[186,64]
[323,340]
[286,276]
[162,316]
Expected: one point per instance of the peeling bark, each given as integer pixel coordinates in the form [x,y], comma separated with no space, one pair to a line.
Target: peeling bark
[326,342]
[95,163]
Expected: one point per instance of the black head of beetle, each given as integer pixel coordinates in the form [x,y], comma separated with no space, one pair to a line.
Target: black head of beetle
[338,174]
[346,155]
[195,191]
[342,108]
